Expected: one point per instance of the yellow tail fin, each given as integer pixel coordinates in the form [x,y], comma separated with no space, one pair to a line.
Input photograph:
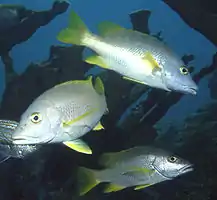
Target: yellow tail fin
[86,180]
[76,31]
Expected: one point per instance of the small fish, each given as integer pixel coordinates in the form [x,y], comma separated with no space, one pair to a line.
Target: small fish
[136,56]
[11,14]
[63,114]
[137,167]
[7,149]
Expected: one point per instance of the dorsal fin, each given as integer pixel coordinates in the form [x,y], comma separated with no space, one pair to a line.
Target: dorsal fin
[98,86]
[107,27]
[87,81]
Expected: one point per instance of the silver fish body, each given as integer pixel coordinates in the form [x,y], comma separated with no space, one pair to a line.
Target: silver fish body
[146,157]
[63,113]
[139,167]
[136,56]
[124,51]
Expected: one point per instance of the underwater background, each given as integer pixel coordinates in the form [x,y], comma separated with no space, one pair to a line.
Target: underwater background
[140,115]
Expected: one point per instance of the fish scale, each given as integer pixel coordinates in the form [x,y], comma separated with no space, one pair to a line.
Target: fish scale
[139,46]
[125,57]
[135,167]
[72,110]
[63,114]
[137,57]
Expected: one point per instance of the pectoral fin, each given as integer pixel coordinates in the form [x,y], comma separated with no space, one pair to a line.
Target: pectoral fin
[139,187]
[151,65]
[98,127]
[96,60]
[113,188]
[78,145]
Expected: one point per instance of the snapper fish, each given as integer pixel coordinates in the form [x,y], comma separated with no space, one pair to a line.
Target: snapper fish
[137,167]
[7,148]
[134,55]
[63,114]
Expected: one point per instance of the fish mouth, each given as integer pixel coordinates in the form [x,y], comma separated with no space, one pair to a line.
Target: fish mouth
[190,90]
[24,140]
[186,169]
[183,170]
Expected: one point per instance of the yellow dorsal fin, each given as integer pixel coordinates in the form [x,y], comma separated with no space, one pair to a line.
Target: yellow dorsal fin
[66,83]
[106,28]
[98,127]
[98,86]
[79,146]
[96,60]
[139,187]
[88,81]
[68,123]
[113,188]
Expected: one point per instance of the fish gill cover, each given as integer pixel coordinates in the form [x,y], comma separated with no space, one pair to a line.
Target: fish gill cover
[138,114]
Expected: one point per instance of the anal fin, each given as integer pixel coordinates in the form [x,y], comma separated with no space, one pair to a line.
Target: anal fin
[139,187]
[96,60]
[79,146]
[134,80]
[98,127]
[113,188]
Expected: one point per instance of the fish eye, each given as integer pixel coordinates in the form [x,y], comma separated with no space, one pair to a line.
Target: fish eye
[184,70]
[36,118]
[172,159]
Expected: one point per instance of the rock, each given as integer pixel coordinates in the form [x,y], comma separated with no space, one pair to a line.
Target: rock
[196,14]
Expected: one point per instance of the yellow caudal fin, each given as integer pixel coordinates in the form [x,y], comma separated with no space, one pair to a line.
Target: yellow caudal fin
[76,31]
[86,180]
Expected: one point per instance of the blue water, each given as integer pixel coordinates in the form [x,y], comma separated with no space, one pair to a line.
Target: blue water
[175,32]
